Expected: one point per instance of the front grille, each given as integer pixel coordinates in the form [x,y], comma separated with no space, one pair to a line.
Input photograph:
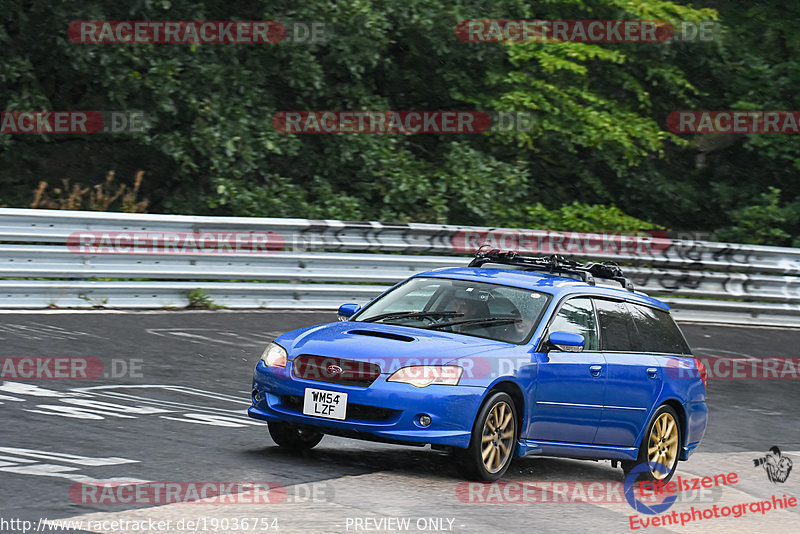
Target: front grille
[335,370]
[354,411]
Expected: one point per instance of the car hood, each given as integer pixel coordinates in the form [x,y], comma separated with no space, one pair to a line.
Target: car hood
[390,346]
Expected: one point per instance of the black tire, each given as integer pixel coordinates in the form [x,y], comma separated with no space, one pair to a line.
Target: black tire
[472,458]
[649,440]
[292,437]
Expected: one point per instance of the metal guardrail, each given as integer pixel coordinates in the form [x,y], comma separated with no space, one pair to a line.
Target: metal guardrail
[321,264]
[48,226]
[310,267]
[137,294]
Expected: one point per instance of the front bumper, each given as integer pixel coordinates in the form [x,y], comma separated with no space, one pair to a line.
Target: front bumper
[385,410]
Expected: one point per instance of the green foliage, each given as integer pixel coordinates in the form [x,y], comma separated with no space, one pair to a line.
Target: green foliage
[198,298]
[579,217]
[600,158]
[762,223]
[752,66]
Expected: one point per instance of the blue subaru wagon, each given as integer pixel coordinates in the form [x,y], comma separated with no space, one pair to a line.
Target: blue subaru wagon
[510,356]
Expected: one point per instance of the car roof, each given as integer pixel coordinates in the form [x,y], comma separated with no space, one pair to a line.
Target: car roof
[555,285]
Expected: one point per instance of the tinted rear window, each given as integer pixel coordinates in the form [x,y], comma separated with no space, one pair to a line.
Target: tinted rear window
[617,332]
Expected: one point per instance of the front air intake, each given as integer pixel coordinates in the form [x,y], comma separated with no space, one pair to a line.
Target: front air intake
[378,333]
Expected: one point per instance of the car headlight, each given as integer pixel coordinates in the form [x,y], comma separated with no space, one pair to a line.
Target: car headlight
[421,376]
[274,355]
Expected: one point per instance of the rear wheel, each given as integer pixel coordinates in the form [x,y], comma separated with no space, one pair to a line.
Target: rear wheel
[494,437]
[660,447]
[290,436]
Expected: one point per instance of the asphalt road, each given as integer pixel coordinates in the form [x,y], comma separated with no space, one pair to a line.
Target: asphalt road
[169,406]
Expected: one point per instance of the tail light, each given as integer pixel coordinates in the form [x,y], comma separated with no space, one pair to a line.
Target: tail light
[703,373]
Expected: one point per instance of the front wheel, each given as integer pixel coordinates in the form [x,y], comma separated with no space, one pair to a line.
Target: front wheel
[290,436]
[494,437]
[660,447]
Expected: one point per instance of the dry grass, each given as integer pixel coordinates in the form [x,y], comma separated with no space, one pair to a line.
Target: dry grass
[101,197]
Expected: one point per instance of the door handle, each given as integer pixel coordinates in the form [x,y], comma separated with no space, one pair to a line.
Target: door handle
[595,370]
[652,372]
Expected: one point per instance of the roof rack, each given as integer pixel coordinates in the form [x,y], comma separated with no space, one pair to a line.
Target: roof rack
[554,264]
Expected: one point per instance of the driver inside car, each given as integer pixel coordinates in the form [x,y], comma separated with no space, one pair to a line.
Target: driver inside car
[471,307]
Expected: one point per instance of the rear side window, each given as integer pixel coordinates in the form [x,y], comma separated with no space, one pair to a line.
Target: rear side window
[657,331]
[617,332]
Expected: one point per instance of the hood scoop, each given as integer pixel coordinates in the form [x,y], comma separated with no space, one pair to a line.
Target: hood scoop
[378,333]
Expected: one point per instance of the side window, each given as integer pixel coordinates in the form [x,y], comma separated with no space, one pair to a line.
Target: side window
[617,332]
[577,316]
[657,331]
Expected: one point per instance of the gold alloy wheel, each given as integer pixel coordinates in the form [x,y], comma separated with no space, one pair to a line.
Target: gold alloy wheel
[663,446]
[497,439]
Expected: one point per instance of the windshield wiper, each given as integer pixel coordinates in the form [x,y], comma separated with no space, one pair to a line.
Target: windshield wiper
[408,315]
[470,322]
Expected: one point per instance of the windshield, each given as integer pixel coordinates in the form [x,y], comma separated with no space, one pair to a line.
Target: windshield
[464,307]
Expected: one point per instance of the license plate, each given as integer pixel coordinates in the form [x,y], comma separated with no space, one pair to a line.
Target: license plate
[321,403]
